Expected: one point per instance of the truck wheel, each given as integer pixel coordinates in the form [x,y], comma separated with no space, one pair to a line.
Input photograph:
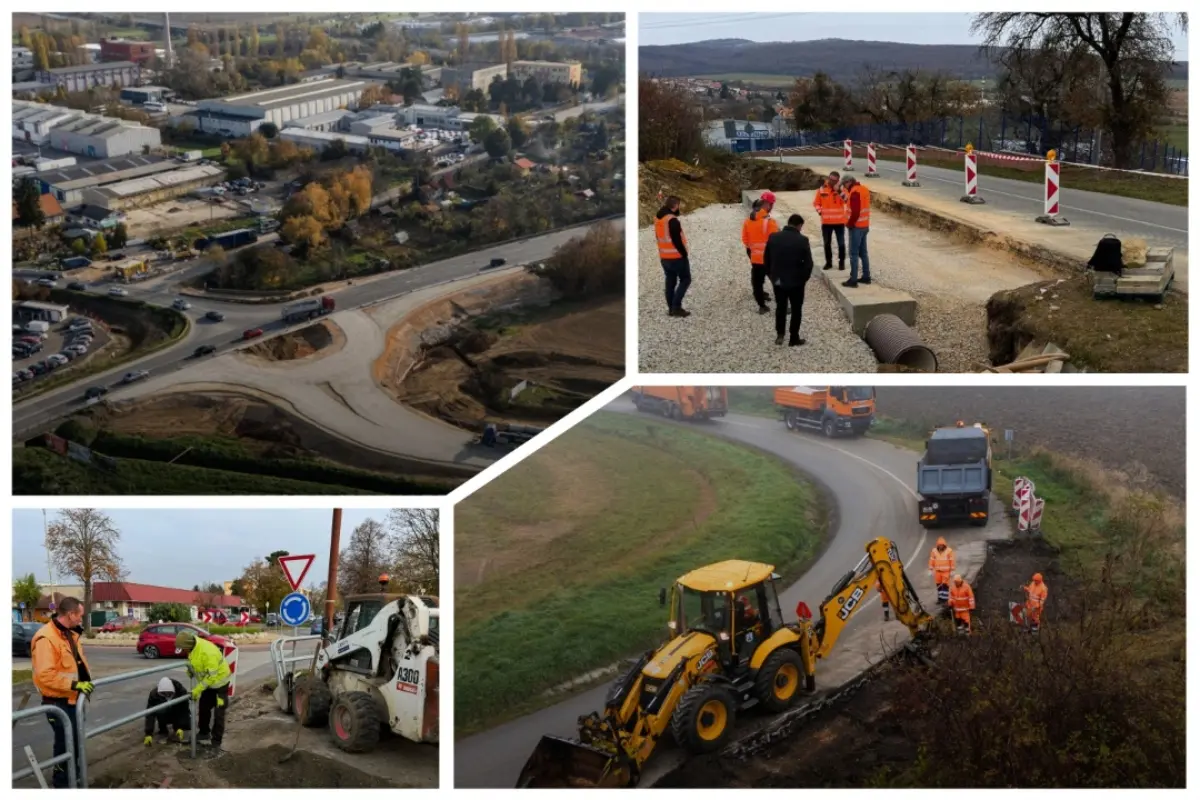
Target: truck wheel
[311,700]
[789,419]
[979,523]
[675,413]
[703,720]
[777,684]
[355,722]
[828,428]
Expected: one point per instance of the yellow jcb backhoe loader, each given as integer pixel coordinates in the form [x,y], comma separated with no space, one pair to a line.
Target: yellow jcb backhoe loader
[728,650]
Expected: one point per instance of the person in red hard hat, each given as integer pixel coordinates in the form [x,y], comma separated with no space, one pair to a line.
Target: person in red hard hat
[755,232]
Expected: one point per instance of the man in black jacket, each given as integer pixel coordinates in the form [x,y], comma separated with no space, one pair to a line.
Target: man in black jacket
[177,716]
[673,254]
[789,266]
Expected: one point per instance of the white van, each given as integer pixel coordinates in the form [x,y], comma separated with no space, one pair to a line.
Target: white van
[37,326]
[154,107]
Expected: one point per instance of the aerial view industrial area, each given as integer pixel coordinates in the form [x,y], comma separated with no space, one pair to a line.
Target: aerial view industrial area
[309,254]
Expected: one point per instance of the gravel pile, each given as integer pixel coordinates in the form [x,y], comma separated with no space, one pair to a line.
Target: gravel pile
[725,332]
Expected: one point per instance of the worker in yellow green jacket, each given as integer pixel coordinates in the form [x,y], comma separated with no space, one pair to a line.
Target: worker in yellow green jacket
[206,664]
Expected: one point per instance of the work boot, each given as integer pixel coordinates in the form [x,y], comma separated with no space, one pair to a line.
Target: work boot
[841,267]
[779,339]
[850,284]
[865,280]
[796,341]
[764,310]
[829,266]
[204,739]
[680,312]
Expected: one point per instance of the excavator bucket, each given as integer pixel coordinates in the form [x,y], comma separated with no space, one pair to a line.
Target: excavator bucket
[567,763]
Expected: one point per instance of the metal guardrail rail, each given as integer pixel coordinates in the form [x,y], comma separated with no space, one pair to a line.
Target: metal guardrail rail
[36,767]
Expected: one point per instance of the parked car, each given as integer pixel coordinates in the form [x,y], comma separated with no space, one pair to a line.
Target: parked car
[23,633]
[272,620]
[215,316]
[58,359]
[119,624]
[317,627]
[95,392]
[77,286]
[39,368]
[135,376]
[47,282]
[253,333]
[117,291]
[204,350]
[158,641]
[181,305]
[25,374]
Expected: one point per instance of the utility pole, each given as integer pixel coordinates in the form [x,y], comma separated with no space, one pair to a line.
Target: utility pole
[49,560]
[335,537]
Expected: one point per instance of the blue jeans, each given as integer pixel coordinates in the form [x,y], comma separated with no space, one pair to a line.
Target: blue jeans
[678,273]
[858,248]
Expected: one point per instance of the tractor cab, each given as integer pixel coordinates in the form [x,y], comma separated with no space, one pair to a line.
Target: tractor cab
[734,602]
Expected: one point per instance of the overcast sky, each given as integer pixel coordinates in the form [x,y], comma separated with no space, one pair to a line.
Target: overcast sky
[180,549]
[780,27]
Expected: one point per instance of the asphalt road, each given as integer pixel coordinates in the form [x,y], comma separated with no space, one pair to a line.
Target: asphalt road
[873,486]
[116,700]
[1159,223]
[58,403]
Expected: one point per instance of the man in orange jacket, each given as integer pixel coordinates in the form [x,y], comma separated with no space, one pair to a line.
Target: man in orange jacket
[1035,601]
[962,603]
[858,208]
[61,674]
[755,232]
[673,255]
[941,567]
[830,203]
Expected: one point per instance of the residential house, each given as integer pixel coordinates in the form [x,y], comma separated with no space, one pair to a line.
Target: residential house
[51,210]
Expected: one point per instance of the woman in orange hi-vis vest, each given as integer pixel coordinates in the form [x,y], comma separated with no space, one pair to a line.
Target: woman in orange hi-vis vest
[962,603]
[673,254]
[1035,601]
[941,567]
[755,232]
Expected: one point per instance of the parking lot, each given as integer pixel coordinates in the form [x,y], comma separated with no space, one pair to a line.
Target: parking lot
[31,364]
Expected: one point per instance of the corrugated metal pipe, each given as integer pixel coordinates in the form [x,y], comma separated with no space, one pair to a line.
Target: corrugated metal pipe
[893,342]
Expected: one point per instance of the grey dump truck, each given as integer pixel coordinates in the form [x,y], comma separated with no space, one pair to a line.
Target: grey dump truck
[954,476]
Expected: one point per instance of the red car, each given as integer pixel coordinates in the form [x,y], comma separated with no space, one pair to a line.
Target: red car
[158,641]
[253,333]
[118,624]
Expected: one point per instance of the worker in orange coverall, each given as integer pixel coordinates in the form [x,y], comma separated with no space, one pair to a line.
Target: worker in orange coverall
[962,603]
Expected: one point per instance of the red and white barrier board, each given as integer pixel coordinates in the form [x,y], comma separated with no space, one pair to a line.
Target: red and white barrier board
[971,178]
[231,658]
[872,168]
[848,155]
[910,166]
[1053,193]
[1022,487]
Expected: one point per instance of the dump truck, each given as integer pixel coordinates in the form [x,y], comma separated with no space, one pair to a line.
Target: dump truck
[506,433]
[308,309]
[682,402]
[954,476]
[727,650]
[833,410]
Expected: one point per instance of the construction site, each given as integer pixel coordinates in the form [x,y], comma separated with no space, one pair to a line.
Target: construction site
[829,561]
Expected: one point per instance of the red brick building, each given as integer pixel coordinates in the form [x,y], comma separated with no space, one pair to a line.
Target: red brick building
[126,599]
[126,50]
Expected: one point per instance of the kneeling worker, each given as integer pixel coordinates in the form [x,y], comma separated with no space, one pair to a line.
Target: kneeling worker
[177,716]
[207,665]
[962,603]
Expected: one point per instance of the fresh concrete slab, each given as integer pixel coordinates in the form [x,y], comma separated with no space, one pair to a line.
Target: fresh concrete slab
[866,301]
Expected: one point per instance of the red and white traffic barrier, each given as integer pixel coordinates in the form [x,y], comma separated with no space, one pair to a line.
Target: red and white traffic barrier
[910,166]
[848,155]
[1035,514]
[971,178]
[872,168]
[1022,488]
[1053,192]
[231,658]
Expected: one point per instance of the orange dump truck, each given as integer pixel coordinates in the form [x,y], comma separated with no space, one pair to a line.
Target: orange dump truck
[682,402]
[833,410]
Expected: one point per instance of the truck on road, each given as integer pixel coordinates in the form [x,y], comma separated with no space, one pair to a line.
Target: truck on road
[307,309]
[682,402]
[190,155]
[954,476]
[833,410]
[229,239]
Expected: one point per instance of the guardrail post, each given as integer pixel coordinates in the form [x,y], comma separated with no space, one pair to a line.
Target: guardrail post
[80,717]
[71,756]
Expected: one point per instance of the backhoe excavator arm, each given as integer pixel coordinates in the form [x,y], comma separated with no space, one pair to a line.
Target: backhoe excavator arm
[882,562]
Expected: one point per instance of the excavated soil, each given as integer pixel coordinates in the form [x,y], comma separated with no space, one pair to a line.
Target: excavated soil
[698,186]
[309,343]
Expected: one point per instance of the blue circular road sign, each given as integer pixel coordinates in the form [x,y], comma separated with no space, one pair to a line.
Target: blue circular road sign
[295,609]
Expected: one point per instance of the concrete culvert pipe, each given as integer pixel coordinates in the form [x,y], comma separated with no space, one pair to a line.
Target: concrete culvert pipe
[893,342]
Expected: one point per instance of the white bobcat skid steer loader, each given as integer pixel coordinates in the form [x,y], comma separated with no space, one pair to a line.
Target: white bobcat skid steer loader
[382,670]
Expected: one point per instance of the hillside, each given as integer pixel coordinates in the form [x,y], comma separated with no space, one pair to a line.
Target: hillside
[842,59]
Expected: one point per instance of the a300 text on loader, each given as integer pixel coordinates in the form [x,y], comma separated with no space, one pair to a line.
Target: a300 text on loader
[728,650]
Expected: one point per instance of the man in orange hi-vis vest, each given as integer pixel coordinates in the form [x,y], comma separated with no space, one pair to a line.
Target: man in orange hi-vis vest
[858,207]
[755,232]
[962,603]
[1035,601]
[941,567]
[830,203]
[673,254]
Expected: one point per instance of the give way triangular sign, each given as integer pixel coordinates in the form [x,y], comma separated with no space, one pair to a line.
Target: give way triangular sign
[295,568]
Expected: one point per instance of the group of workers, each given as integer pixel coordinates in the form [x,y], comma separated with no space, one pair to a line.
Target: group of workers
[61,675]
[955,593]
[781,257]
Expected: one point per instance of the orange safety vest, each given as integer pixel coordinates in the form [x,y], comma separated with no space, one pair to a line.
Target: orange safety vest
[54,668]
[1035,596]
[864,202]
[662,232]
[755,233]
[831,206]
[962,599]
[942,564]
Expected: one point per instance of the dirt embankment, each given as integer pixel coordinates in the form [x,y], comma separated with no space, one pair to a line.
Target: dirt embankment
[310,343]
[460,358]
[720,183]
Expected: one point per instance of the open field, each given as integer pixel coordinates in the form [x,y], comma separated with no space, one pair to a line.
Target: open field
[752,79]
[623,506]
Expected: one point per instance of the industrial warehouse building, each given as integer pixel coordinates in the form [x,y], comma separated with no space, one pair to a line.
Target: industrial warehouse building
[151,189]
[31,310]
[32,122]
[480,76]
[473,76]
[90,135]
[320,140]
[126,50]
[87,76]
[325,121]
[67,185]
[241,115]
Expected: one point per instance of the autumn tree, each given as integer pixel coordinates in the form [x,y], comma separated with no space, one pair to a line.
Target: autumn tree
[83,543]
[263,583]
[416,537]
[669,123]
[304,231]
[373,95]
[26,591]
[368,555]
[99,245]
[464,43]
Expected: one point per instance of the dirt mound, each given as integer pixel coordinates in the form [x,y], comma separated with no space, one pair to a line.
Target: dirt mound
[719,182]
[322,338]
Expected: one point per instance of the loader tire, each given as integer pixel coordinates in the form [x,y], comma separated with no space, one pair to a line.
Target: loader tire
[355,722]
[311,700]
[703,721]
[777,685]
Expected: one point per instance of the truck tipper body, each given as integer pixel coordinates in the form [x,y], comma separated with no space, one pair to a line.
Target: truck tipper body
[683,402]
[307,309]
[833,410]
[954,476]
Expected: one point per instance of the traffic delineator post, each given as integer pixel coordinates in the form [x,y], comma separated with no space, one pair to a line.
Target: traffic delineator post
[910,167]
[971,177]
[848,155]
[1053,192]
[872,169]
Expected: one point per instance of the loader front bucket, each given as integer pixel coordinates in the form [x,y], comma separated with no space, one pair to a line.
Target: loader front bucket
[566,763]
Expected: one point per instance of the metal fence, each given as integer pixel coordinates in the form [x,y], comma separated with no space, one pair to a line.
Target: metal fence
[282,664]
[993,133]
[37,767]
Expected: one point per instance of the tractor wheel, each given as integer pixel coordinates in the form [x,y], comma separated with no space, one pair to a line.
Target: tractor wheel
[828,429]
[778,682]
[355,722]
[703,720]
[311,700]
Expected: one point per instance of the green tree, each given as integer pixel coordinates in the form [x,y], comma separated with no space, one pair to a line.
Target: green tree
[481,127]
[83,544]
[170,612]
[119,236]
[269,130]
[518,134]
[497,143]
[27,590]
[29,203]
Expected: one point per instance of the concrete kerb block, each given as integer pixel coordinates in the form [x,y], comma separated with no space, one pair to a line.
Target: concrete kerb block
[972,199]
[867,301]
[1054,221]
